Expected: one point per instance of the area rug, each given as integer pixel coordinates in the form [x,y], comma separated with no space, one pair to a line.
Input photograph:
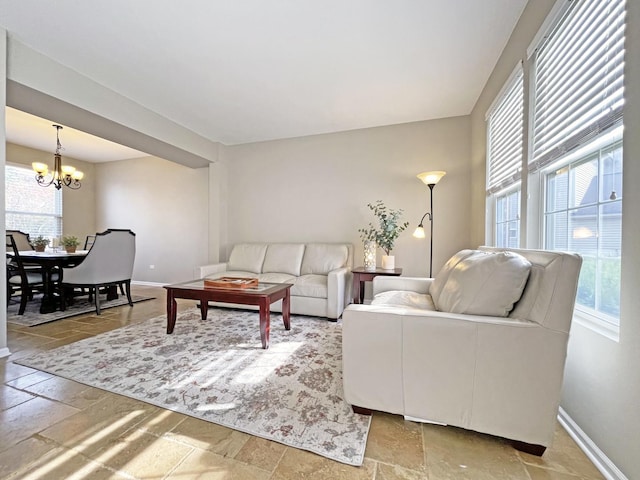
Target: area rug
[81,306]
[216,370]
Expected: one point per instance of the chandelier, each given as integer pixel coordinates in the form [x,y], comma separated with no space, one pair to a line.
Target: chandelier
[62,174]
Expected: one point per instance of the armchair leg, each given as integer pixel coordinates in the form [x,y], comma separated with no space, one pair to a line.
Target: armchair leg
[529,448]
[361,410]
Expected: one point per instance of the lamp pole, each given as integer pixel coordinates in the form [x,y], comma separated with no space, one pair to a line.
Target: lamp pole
[431,185]
[429,179]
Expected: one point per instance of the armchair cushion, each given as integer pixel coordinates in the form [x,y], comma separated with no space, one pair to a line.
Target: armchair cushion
[484,283]
[402,298]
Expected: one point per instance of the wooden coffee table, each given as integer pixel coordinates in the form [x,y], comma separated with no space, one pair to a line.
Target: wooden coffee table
[263,295]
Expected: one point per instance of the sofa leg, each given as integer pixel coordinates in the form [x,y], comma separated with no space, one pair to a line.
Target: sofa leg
[529,448]
[361,410]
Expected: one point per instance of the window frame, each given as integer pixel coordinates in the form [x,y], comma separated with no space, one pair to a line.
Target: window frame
[600,322]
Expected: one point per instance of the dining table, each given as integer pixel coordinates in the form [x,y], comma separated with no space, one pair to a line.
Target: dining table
[50,260]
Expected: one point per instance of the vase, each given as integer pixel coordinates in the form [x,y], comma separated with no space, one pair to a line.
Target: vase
[388,262]
[370,255]
[70,249]
[39,248]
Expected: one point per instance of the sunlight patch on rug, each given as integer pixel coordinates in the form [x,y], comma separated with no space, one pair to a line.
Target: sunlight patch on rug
[216,370]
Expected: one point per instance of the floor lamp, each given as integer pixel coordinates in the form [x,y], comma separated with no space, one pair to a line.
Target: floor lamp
[430,179]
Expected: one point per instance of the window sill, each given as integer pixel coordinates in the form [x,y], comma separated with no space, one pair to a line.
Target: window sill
[597,325]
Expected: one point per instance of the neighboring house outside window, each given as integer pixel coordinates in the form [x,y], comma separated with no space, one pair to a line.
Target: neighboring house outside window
[29,207]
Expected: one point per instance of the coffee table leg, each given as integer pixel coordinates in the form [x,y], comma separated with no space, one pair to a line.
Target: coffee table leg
[172,309]
[204,308]
[265,323]
[286,310]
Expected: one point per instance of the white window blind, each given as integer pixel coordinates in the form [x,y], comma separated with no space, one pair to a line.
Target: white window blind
[578,83]
[505,133]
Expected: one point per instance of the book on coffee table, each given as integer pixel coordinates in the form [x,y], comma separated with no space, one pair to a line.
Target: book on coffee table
[230,282]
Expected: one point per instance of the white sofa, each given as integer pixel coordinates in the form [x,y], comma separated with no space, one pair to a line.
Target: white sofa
[495,374]
[319,272]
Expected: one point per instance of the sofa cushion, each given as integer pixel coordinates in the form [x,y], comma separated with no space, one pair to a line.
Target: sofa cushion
[484,283]
[321,258]
[404,298]
[273,277]
[283,258]
[310,286]
[247,257]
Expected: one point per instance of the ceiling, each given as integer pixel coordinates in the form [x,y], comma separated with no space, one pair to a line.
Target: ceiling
[254,70]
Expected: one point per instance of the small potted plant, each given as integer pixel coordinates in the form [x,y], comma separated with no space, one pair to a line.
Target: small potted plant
[388,230]
[40,243]
[70,243]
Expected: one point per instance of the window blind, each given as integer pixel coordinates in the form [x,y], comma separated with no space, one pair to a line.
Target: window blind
[578,80]
[505,136]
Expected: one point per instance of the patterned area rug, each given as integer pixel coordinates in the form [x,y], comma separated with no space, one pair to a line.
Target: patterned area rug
[216,370]
[33,317]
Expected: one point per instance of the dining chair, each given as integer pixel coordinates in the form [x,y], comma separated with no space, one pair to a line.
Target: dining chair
[22,240]
[88,242]
[109,263]
[21,279]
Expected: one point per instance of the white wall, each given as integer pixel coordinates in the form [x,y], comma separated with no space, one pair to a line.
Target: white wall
[317,188]
[602,380]
[167,207]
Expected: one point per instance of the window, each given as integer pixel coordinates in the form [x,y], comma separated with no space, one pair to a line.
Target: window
[505,135]
[29,207]
[583,213]
[507,222]
[505,148]
[576,131]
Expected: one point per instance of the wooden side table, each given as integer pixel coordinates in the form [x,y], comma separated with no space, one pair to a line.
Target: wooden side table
[360,275]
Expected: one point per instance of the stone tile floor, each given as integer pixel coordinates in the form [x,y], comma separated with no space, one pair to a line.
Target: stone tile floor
[52,428]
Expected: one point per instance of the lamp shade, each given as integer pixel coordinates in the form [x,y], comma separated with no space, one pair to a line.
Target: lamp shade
[419,232]
[431,178]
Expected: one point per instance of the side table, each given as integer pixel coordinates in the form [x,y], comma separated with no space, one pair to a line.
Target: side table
[360,275]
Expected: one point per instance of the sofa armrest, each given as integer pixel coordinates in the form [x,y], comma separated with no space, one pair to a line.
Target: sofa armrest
[338,291]
[412,284]
[206,270]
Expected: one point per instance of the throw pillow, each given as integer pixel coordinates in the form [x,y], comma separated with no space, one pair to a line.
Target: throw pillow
[484,283]
[441,278]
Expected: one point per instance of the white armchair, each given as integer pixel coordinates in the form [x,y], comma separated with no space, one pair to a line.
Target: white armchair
[500,375]
[108,263]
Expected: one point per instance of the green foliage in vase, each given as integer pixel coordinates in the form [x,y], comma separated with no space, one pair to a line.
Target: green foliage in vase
[388,229]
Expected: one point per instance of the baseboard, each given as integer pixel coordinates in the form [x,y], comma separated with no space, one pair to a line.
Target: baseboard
[147,284]
[591,450]
[4,352]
